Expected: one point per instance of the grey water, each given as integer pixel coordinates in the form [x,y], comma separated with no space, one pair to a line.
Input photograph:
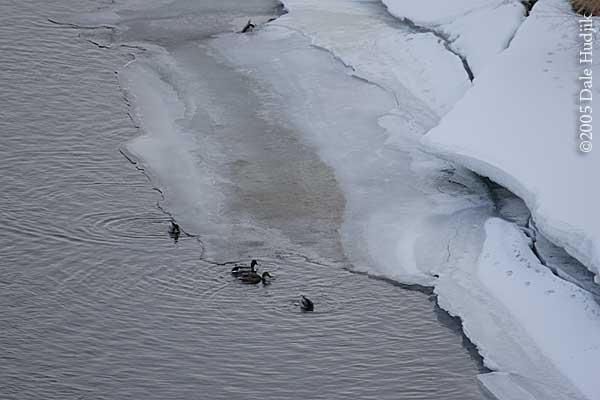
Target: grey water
[98,302]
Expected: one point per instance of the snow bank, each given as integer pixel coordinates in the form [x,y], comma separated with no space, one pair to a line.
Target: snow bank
[518,126]
[560,318]
[468,288]
[477,29]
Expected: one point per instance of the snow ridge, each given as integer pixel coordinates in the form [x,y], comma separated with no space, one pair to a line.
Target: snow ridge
[447,44]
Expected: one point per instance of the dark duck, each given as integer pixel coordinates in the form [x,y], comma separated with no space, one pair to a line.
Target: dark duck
[249,27]
[174,231]
[239,270]
[306,304]
[253,278]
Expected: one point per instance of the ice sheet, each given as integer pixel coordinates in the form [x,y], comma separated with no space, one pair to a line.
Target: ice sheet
[166,149]
[382,49]
[372,151]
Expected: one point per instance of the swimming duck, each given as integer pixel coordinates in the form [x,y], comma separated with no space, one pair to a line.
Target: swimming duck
[254,278]
[240,270]
[306,304]
[174,229]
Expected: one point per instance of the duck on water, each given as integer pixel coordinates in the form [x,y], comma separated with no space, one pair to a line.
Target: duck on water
[174,231]
[250,275]
[249,27]
[253,278]
[306,304]
[239,270]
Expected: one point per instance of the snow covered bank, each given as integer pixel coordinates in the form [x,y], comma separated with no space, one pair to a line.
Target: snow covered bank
[509,333]
[518,126]
[476,29]
[560,318]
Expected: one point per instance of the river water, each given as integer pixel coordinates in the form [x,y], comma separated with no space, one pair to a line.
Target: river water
[98,302]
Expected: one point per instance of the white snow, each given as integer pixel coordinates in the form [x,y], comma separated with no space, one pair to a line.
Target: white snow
[506,386]
[482,34]
[559,317]
[476,29]
[518,125]
[437,12]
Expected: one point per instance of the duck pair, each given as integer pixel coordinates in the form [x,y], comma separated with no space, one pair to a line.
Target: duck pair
[249,274]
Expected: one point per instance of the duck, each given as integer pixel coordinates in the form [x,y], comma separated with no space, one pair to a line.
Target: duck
[306,304]
[174,231]
[240,269]
[253,278]
[249,27]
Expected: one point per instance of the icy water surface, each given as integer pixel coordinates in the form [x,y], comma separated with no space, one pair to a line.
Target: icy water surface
[97,302]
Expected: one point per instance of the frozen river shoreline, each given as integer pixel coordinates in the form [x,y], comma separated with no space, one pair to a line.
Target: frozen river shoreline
[299,144]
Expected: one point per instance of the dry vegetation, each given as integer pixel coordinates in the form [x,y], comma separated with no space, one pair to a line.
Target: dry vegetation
[586,6]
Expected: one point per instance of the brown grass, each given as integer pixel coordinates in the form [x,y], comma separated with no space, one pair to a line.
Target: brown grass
[586,6]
